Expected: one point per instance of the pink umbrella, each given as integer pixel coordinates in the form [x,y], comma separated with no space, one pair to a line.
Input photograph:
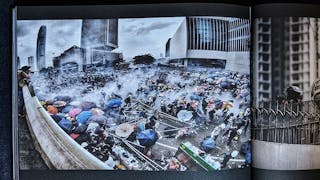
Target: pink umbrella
[74,112]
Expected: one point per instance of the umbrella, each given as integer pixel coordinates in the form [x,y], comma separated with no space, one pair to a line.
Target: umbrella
[224,84]
[295,88]
[227,105]
[147,137]
[84,116]
[234,154]
[248,158]
[56,118]
[245,148]
[245,92]
[97,111]
[195,97]
[210,80]
[62,115]
[184,115]
[124,130]
[114,103]
[49,102]
[74,112]
[80,129]
[41,97]
[218,104]
[74,136]
[75,103]
[43,103]
[65,124]
[59,104]
[52,110]
[207,144]
[66,109]
[294,93]
[98,119]
[87,105]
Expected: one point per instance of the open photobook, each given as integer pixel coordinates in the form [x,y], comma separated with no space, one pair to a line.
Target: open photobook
[186,92]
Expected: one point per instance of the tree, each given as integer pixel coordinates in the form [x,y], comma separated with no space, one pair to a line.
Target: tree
[143,59]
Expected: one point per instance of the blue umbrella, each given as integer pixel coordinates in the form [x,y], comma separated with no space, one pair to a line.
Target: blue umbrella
[224,84]
[207,144]
[147,137]
[245,148]
[83,117]
[65,124]
[114,103]
[66,109]
[218,104]
[195,97]
[100,119]
[86,106]
[146,92]
[248,158]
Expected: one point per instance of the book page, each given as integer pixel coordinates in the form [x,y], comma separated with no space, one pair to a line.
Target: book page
[167,93]
[285,62]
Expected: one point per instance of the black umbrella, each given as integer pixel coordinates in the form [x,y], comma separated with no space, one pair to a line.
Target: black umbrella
[294,93]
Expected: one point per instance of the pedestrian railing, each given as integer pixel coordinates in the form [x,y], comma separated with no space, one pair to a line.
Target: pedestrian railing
[287,122]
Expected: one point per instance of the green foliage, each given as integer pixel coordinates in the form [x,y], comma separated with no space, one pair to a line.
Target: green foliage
[143,59]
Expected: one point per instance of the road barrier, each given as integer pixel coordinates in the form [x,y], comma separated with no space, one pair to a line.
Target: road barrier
[291,123]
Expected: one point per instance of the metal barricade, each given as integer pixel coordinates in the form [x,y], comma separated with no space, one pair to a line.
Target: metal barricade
[287,122]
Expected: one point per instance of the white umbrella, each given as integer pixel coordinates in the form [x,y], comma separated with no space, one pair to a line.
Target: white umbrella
[184,115]
[124,130]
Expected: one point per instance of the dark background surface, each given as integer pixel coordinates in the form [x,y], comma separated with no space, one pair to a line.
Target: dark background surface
[6,94]
[5,90]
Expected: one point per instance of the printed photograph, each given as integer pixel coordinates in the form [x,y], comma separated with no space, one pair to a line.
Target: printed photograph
[152,94]
[286,82]
[286,89]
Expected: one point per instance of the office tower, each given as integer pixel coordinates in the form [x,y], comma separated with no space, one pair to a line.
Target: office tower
[41,48]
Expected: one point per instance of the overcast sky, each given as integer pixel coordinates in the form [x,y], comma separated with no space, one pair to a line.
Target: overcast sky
[136,36]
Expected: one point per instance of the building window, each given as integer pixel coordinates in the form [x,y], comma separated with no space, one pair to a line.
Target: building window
[295,77]
[264,37]
[295,28]
[264,28]
[265,67]
[295,67]
[204,33]
[295,57]
[295,37]
[295,47]
[295,19]
[265,77]
[265,87]
[265,48]
[265,95]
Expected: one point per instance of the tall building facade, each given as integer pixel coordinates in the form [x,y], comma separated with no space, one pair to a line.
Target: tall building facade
[285,53]
[71,60]
[41,48]
[211,41]
[18,62]
[31,63]
[98,38]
